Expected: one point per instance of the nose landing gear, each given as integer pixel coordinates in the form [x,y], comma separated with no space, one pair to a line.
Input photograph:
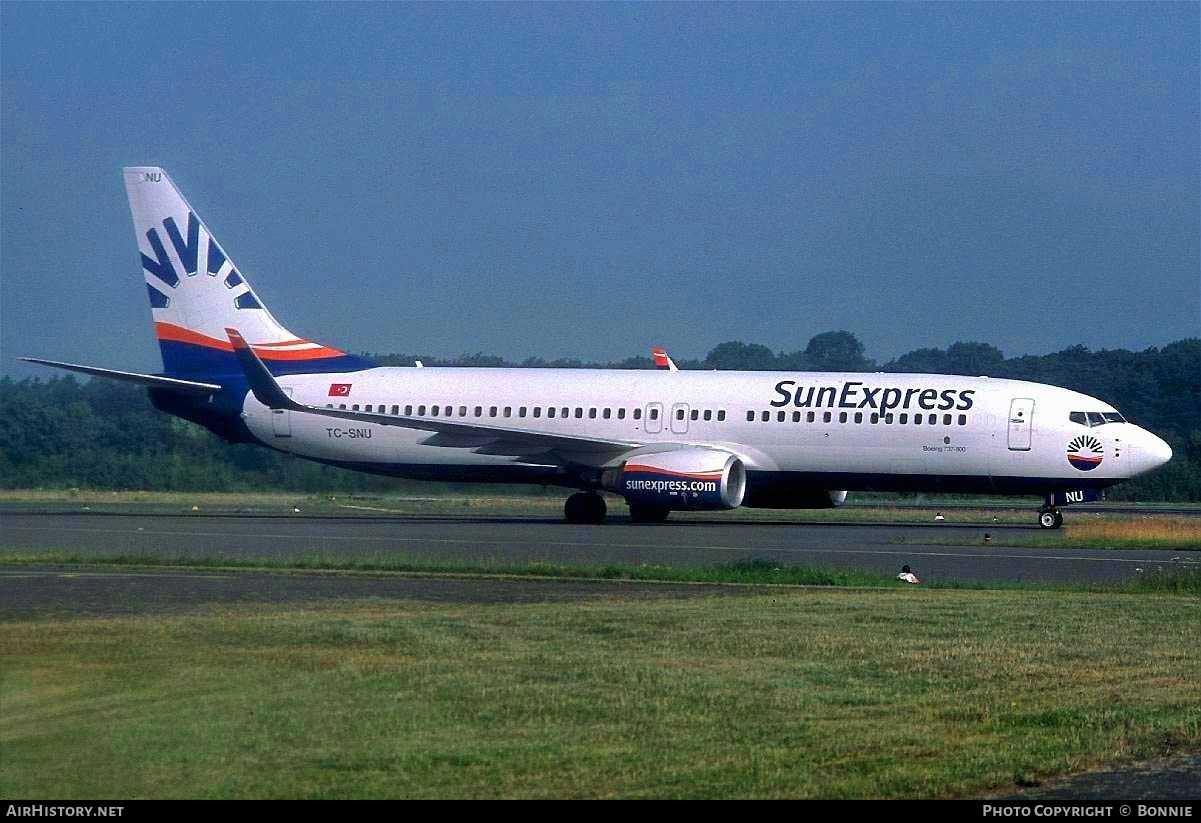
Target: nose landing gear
[1050,517]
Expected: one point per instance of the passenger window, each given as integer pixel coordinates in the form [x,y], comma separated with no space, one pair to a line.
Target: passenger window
[654,414]
[917,418]
[904,418]
[750,417]
[492,411]
[696,414]
[721,415]
[355,407]
[591,414]
[537,411]
[579,412]
[396,410]
[608,413]
[963,419]
[766,416]
[781,416]
[621,414]
[637,414]
[433,411]
[888,418]
[875,418]
[796,417]
[827,417]
[462,411]
[479,411]
[842,417]
[421,411]
[810,417]
[858,417]
[708,415]
[342,406]
[508,411]
[946,419]
[679,414]
[550,411]
[521,411]
[448,411]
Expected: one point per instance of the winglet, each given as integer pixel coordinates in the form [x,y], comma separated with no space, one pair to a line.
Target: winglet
[262,383]
[662,361]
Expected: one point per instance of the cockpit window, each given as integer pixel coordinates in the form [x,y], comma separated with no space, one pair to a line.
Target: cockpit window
[1091,419]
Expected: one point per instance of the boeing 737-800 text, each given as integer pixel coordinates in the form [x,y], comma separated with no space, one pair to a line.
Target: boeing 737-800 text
[676,440]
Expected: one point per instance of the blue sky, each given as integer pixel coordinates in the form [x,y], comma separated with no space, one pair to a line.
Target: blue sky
[588,180]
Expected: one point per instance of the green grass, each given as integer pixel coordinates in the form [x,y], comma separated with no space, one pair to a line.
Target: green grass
[1100,531]
[792,693]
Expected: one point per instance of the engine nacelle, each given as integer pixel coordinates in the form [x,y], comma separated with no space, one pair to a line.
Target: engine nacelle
[693,478]
[790,498]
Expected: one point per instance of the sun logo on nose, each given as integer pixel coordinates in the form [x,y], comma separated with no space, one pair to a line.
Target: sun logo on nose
[1085,452]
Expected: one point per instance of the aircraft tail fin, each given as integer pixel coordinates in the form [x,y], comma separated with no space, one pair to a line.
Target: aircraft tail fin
[196,291]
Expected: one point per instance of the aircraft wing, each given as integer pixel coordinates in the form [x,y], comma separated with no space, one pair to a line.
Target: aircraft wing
[152,381]
[482,437]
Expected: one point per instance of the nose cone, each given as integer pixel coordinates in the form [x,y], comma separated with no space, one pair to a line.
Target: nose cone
[1151,452]
[1160,451]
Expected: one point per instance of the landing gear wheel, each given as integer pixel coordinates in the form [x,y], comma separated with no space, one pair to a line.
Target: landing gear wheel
[1050,518]
[642,513]
[585,507]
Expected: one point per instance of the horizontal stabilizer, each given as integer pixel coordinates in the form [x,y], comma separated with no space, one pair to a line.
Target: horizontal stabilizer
[153,381]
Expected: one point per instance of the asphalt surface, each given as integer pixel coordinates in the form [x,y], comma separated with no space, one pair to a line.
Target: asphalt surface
[936,552]
[35,589]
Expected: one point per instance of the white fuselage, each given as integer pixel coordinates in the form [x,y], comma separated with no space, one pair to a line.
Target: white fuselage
[855,431]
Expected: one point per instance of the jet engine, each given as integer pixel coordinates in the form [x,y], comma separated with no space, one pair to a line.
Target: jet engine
[692,478]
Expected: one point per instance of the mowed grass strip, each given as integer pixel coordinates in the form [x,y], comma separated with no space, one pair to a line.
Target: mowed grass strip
[806,693]
[1160,531]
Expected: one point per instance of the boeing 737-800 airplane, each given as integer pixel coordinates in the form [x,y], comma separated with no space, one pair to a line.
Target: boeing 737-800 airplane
[677,440]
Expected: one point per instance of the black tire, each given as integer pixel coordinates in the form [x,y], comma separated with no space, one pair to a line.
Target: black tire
[585,507]
[1050,519]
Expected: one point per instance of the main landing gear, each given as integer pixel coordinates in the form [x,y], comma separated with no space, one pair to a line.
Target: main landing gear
[1050,517]
[585,507]
[589,507]
[646,513]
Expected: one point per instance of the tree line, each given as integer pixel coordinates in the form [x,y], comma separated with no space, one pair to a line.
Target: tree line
[98,434]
